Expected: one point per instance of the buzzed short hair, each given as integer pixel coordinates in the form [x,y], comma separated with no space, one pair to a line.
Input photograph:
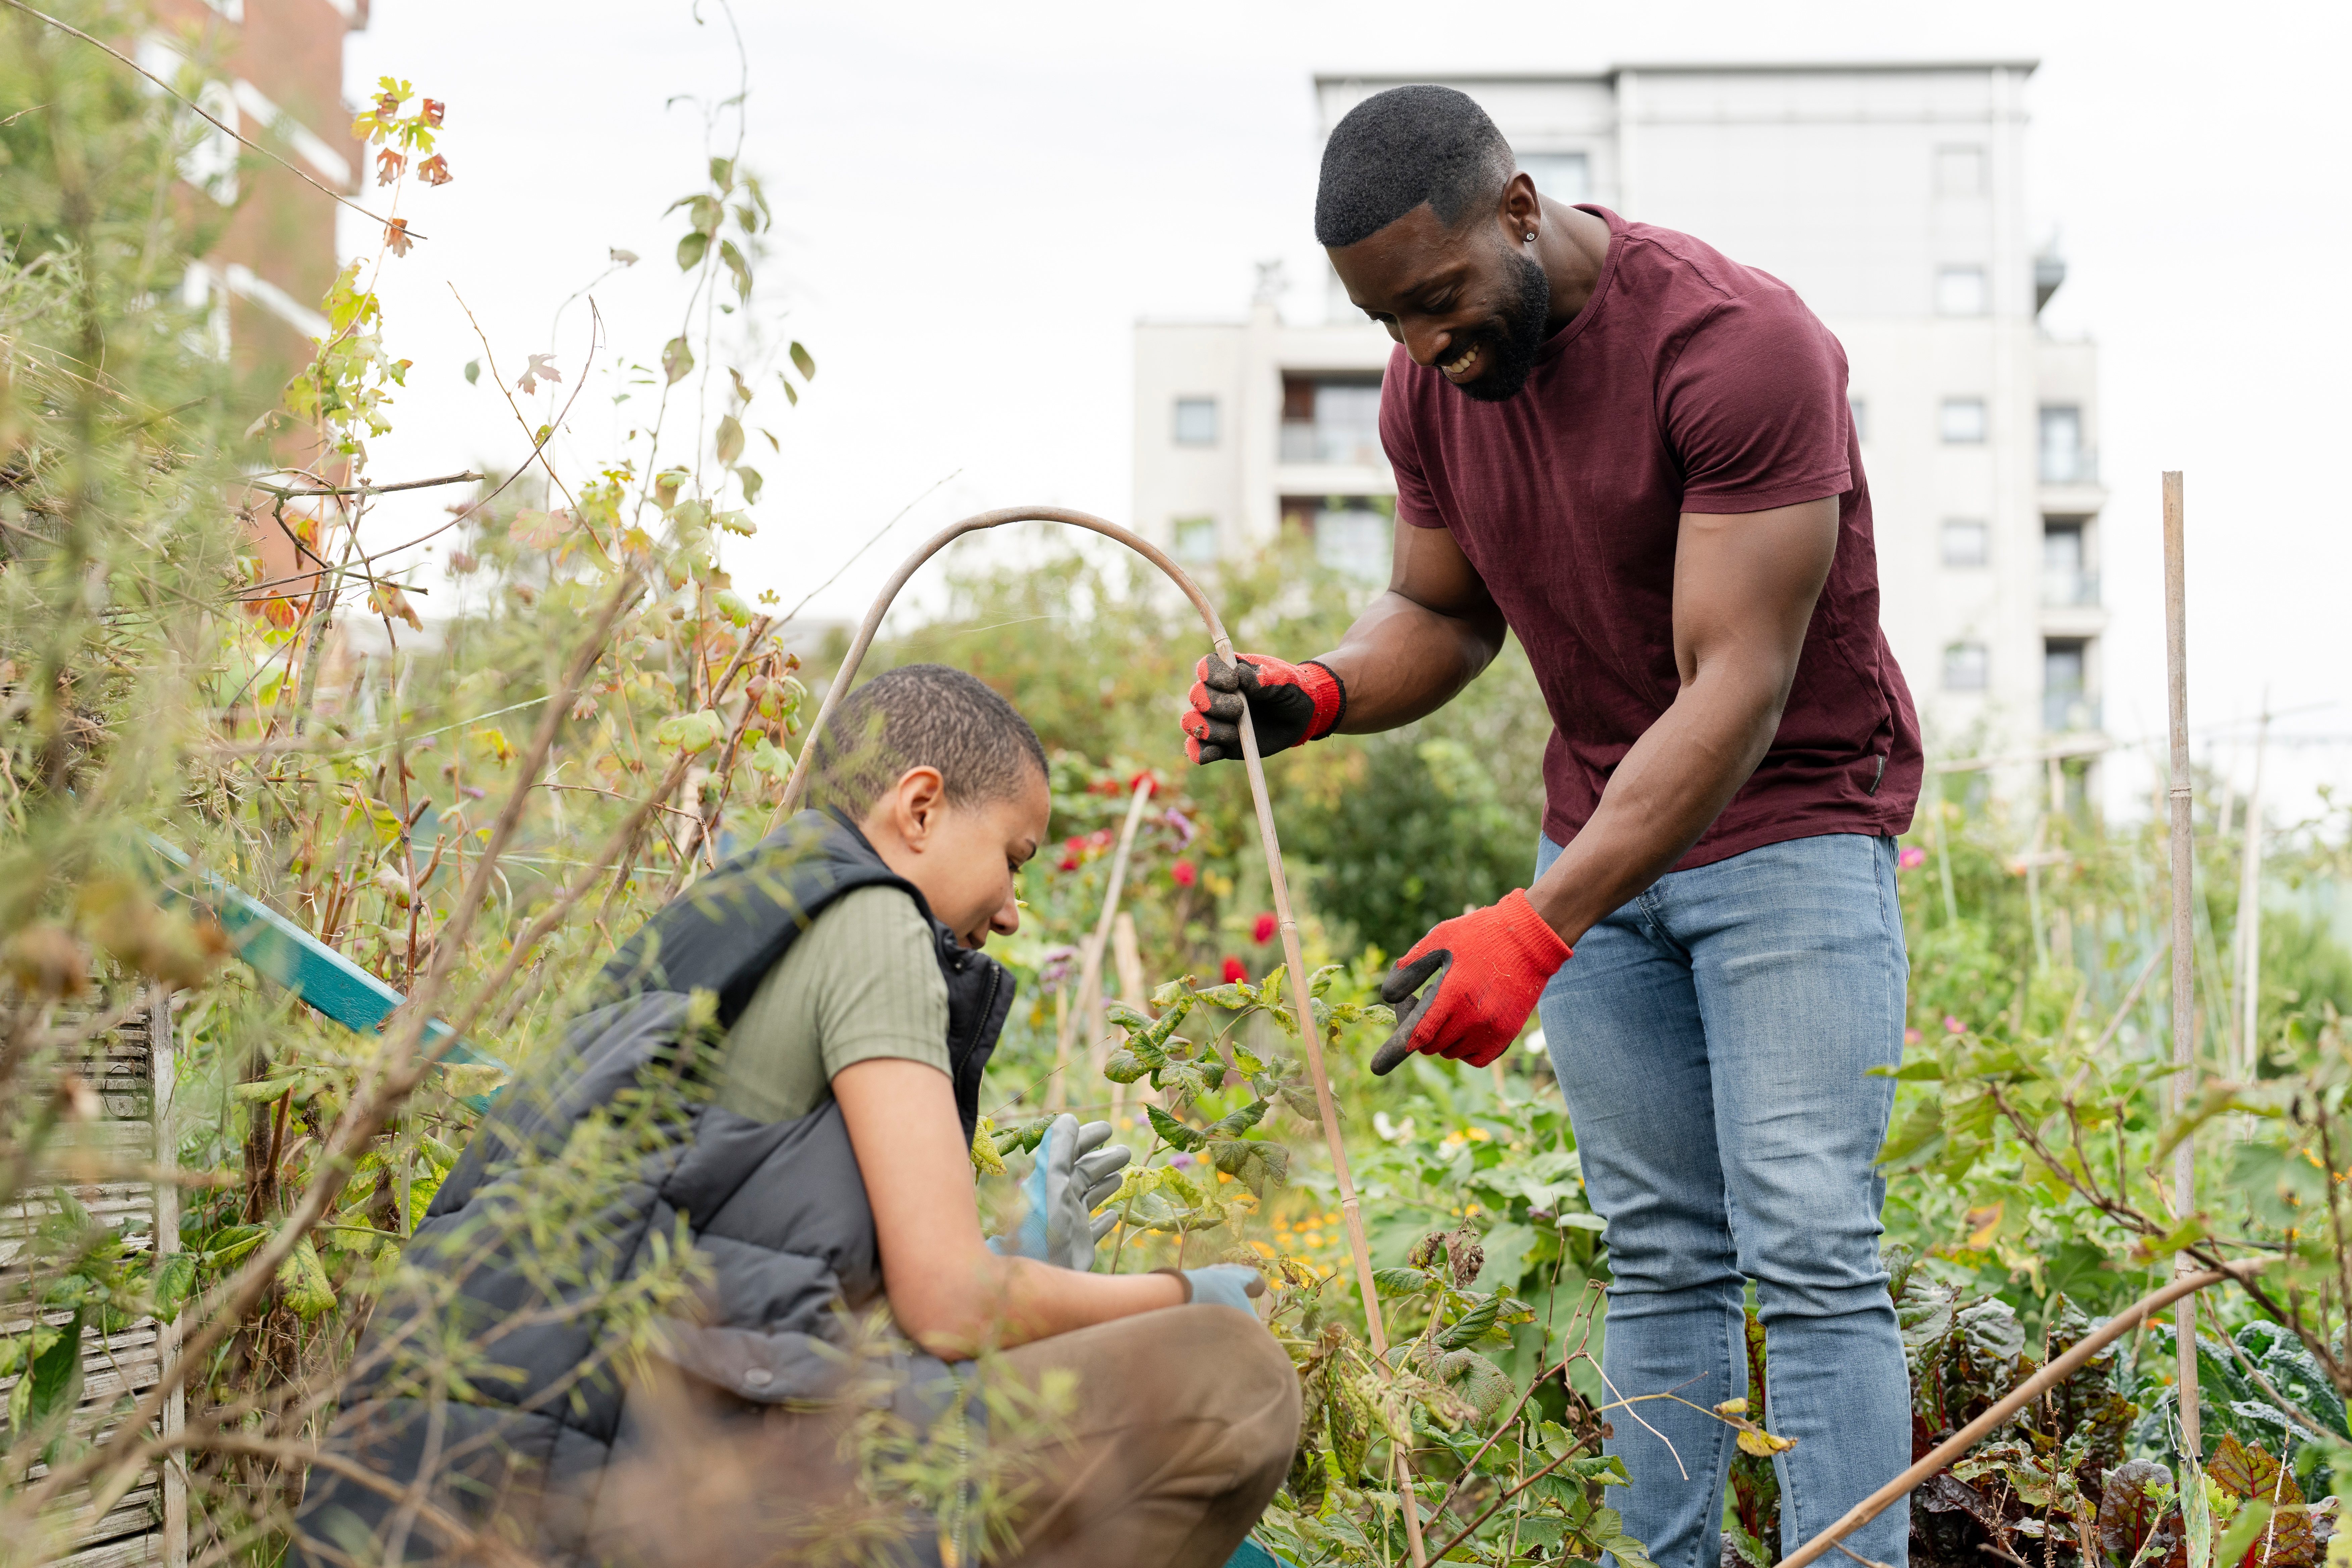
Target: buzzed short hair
[1400,148]
[924,715]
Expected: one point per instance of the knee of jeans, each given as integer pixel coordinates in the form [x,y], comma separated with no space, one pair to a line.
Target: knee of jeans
[1823,1292]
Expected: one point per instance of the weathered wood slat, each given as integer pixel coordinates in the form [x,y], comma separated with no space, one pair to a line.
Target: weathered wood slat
[131,1068]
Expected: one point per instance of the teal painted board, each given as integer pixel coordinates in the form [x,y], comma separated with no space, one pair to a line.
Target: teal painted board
[1253,1555]
[285,954]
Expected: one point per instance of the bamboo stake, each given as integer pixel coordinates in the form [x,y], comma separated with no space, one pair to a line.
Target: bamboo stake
[1089,1013]
[2184,936]
[797,784]
[2250,909]
[2032,1389]
[1126,958]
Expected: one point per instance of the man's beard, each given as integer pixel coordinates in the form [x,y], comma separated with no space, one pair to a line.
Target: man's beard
[1513,350]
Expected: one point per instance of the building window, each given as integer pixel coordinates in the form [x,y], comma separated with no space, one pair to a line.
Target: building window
[1562,176]
[2067,579]
[1195,539]
[1196,422]
[1860,408]
[1353,535]
[1332,419]
[1966,541]
[2065,458]
[1959,170]
[1967,667]
[1963,421]
[1960,292]
[2066,702]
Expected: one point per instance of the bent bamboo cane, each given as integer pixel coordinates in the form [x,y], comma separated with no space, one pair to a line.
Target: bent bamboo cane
[796,786]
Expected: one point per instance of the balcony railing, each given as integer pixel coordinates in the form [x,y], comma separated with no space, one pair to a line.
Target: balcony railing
[2069,466]
[2069,587]
[2066,710]
[1305,442]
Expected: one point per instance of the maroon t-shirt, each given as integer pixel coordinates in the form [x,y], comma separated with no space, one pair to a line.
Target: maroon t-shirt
[1688,383]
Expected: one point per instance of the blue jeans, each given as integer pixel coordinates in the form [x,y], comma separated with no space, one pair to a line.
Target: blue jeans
[1712,1039]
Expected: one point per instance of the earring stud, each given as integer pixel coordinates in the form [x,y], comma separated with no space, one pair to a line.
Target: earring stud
[1530,237]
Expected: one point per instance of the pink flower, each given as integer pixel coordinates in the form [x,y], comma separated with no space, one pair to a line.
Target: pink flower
[1184,874]
[1181,826]
[1262,931]
[1911,1036]
[1953,1026]
[1912,856]
[1236,970]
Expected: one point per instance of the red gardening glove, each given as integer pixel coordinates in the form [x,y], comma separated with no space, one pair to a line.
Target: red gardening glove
[1491,965]
[1287,703]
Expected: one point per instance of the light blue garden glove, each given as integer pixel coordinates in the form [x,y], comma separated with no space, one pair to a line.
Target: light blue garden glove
[1231,1285]
[1074,1174]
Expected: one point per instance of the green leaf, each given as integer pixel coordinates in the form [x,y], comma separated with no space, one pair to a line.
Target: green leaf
[749,477]
[706,212]
[1321,981]
[473,371]
[722,172]
[1256,1164]
[806,365]
[268,1087]
[1173,1131]
[1123,1016]
[1125,1067]
[302,1283]
[224,1247]
[1249,1065]
[730,439]
[1403,1281]
[1468,1329]
[174,1281]
[1231,995]
[1240,1122]
[690,248]
[737,522]
[51,1387]
[676,358]
[790,396]
[1169,992]
[737,268]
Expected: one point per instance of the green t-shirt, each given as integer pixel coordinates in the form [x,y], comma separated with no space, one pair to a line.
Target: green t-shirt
[859,983]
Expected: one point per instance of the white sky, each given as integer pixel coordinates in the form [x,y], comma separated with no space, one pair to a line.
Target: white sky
[976,202]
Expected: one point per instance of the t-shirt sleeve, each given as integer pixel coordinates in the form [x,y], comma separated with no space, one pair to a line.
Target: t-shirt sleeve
[1414,502]
[1755,408]
[876,989]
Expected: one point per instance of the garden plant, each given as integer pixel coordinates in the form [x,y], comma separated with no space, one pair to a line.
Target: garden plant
[567,712]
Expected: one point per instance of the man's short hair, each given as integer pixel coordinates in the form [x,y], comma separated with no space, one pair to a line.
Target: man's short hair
[1403,147]
[923,715]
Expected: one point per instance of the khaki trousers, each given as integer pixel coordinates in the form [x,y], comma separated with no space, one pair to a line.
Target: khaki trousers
[1175,1429]
[1185,1422]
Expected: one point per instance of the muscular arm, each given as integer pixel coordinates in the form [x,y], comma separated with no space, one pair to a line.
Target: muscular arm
[1421,642]
[1744,592]
[950,1293]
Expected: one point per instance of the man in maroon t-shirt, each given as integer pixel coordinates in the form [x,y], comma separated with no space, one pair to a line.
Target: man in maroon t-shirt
[1637,455]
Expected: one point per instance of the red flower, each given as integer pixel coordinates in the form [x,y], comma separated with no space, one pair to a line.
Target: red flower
[1182,874]
[1235,970]
[1146,777]
[1262,931]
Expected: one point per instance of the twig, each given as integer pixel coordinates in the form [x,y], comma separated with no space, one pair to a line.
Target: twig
[364,489]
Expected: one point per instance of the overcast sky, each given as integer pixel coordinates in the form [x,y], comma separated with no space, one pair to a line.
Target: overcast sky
[976,202]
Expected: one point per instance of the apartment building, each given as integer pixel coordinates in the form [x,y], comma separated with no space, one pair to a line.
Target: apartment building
[274,70]
[1891,197]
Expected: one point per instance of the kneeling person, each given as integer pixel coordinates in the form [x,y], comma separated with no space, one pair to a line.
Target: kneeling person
[819,1161]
